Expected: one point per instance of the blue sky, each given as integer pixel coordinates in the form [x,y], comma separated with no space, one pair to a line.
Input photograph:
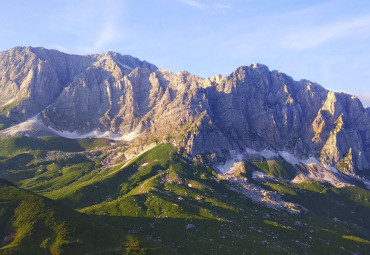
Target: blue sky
[327,42]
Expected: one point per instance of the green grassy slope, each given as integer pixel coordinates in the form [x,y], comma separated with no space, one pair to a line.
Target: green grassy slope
[15,145]
[276,168]
[163,197]
[31,224]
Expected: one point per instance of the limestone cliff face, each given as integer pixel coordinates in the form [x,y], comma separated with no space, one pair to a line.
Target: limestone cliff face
[32,78]
[252,107]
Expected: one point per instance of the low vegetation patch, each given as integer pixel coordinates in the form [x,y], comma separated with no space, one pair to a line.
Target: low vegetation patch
[356,239]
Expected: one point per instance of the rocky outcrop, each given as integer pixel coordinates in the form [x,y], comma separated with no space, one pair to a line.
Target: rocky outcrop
[32,79]
[252,107]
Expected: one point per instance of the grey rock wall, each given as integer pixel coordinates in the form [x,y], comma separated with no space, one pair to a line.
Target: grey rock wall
[252,107]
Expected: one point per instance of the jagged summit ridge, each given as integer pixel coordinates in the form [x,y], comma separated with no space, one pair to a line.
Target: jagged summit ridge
[33,77]
[253,107]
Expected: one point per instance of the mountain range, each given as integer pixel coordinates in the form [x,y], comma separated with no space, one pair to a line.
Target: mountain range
[100,132]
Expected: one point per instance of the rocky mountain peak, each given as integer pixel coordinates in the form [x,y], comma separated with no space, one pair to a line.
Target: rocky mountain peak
[253,107]
[125,61]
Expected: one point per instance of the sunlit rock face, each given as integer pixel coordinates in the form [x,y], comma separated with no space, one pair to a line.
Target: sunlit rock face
[252,107]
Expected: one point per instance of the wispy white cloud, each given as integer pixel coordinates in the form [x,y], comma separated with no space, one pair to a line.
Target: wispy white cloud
[108,34]
[60,48]
[197,4]
[93,26]
[221,6]
[312,9]
[193,3]
[110,30]
[311,37]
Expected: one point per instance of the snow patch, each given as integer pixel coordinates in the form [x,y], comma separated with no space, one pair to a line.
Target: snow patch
[287,156]
[250,151]
[235,158]
[268,154]
[95,134]
[227,166]
[264,153]
[125,66]
[70,135]
[316,171]
[27,125]
[290,158]
[333,169]
[216,180]
[34,123]
[367,183]
[99,60]
[311,160]
[130,136]
[259,175]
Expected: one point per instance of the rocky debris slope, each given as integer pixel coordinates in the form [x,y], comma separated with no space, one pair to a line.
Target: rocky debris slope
[259,195]
[252,107]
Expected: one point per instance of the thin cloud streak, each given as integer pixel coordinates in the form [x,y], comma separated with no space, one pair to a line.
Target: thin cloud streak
[193,3]
[110,31]
[108,34]
[60,48]
[223,6]
[321,7]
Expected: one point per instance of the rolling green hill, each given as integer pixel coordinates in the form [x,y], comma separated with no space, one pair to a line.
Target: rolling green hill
[32,224]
